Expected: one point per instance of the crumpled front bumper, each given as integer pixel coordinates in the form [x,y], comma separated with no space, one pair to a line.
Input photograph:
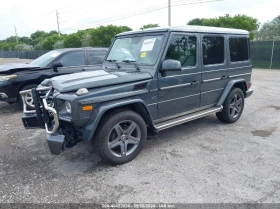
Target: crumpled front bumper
[39,118]
[30,121]
[56,143]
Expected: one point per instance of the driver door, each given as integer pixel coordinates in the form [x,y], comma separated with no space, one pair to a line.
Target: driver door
[73,62]
[179,91]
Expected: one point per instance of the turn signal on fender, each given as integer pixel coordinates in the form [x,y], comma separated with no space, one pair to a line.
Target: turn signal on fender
[87,108]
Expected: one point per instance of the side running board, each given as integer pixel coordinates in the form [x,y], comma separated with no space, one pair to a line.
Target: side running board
[186,118]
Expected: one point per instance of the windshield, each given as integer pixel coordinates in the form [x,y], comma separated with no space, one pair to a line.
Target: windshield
[141,50]
[45,59]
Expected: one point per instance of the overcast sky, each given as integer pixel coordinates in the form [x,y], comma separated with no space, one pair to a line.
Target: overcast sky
[31,15]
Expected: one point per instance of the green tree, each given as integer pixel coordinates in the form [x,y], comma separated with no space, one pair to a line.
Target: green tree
[269,30]
[73,40]
[52,32]
[39,46]
[149,26]
[23,47]
[238,22]
[103,35]
[6,46]
[49,42]
[11,39]
[38,36]
[59,45]
[25,40]
[86,39]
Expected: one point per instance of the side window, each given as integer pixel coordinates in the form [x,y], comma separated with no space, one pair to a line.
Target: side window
[96,57]
[183,49]
[213,50]
[238,49]
[73,59]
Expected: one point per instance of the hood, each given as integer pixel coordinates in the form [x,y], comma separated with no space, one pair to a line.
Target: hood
[15,67]
[94,79]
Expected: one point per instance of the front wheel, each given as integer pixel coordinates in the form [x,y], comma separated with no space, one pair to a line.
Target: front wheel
[120,137]
[28,98]
[232,107]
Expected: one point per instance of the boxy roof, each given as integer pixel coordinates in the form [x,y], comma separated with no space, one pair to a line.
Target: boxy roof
[190,29]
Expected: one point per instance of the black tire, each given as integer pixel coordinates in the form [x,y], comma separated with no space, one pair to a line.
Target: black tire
[107,133]
[232,107]
[27,87]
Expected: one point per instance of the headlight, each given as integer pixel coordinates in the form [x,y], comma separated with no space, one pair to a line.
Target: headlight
[68,107]
[7,77]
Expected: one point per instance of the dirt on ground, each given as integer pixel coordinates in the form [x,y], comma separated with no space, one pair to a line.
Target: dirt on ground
[203,161]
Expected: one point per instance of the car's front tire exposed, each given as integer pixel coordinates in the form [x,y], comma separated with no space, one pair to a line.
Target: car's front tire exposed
[232,107]
[28,99]
[120,136]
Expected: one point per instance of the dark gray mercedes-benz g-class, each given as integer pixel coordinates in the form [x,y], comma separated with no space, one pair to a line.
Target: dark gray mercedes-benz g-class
[151,80]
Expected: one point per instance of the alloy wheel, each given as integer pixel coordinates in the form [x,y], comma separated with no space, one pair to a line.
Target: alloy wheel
[124,138]
[29,100]
[235,106]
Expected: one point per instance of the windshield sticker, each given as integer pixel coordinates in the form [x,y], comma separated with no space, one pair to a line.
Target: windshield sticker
[148,45]
[55,54]
[143,54]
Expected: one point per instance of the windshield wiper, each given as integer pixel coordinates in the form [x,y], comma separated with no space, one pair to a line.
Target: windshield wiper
[132,62]
[114,61]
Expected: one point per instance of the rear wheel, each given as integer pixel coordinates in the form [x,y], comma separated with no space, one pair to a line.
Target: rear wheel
[232,107]
[120,137]
[28,99]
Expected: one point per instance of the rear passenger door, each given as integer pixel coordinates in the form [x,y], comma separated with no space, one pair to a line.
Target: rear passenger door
[180,91]
[214,74]
[95,59]
[240,64]
[73,62]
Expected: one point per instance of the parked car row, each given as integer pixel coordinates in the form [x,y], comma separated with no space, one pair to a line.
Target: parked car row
[16,77]
[150,80]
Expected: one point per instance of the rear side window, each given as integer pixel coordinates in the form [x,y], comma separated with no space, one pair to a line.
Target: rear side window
[96,57]
[73,59]
[238,49]
[183,49]
[213,50]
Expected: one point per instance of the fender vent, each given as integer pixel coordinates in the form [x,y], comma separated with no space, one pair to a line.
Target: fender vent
[140,86]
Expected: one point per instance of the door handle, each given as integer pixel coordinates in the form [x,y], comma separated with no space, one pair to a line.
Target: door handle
[194,83]
[224,77]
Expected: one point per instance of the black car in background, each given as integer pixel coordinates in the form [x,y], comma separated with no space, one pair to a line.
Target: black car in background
[15,77]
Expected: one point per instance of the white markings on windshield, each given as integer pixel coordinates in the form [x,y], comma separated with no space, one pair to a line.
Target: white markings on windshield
[148,45]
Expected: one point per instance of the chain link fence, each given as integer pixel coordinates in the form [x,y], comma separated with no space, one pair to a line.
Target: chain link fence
[266,54]
[22,54]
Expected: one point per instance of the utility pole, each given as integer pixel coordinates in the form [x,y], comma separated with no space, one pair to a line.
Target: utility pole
[58,30]
[272,52]
[169,12]
[16,39]
[273,37]
[16,33]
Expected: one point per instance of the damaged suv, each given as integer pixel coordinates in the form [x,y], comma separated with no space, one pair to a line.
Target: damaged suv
[150,80]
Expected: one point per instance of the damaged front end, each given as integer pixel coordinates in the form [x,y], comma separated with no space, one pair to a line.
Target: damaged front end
[59,133]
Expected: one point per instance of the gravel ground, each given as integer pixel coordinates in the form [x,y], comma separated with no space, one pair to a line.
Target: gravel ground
[204,161]
[4,61]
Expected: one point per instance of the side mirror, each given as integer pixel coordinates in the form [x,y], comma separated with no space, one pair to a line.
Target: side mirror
[57,64]
[171,65]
